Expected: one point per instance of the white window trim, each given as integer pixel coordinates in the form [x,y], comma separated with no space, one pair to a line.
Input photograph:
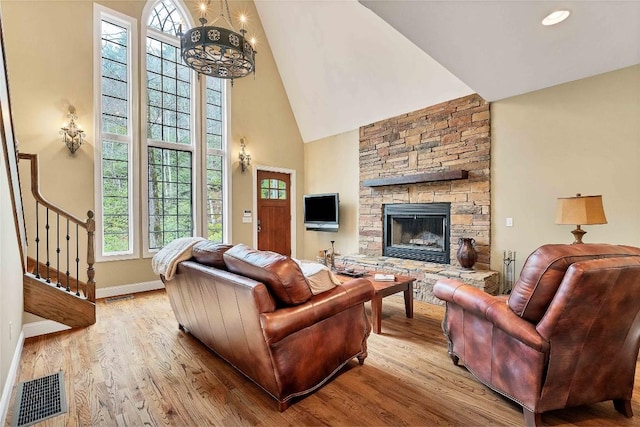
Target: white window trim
[195,137]
[101,13]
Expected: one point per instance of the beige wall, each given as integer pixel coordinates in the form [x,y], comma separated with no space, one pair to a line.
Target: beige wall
[260,112]
[580,137]
[46,77]
[10,277]
[331,166]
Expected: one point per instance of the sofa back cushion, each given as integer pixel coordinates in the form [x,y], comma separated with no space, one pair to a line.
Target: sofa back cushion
[544,270]
[279,273]
[210,253]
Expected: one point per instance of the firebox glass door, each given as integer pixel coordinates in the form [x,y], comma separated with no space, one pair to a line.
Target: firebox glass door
[418,233]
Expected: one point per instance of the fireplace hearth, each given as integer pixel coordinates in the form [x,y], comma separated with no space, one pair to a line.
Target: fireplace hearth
[418,231]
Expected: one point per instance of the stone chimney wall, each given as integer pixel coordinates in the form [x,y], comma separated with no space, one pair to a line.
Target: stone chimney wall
[450,136]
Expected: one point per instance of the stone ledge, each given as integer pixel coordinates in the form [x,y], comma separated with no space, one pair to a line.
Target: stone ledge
[426,274]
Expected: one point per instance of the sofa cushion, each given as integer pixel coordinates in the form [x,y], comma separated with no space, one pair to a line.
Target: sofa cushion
[210,253]
[319,276]
[544,270]
[279,273]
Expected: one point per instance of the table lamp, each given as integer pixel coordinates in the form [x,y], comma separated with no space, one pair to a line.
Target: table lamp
[580,210]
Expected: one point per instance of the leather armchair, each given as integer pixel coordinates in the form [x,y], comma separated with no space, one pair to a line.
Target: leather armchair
[567,335]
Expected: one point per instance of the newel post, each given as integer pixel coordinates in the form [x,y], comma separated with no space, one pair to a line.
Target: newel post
[91,259]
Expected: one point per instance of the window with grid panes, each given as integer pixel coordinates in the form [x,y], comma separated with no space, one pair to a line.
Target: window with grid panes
[116,137]
[273,189]
[170,148]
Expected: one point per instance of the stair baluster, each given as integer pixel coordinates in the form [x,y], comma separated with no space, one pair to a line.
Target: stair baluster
[68,273]
[77,261]
[37,242]
[48,264]
[58,250]
[91,259]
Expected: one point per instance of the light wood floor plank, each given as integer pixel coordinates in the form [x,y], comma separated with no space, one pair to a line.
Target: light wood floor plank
[135,367]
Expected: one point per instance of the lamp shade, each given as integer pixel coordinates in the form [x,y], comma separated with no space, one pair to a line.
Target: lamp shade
[580,210]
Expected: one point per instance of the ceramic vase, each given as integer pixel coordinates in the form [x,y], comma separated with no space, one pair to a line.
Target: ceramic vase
[467,255]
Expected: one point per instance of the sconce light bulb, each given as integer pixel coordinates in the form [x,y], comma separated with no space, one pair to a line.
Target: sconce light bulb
[243,18]
[203,7]
[253,41]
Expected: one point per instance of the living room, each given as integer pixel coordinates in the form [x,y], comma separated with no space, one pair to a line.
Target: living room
[579,136]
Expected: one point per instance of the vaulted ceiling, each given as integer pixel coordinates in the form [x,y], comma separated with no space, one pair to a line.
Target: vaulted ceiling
[345,63]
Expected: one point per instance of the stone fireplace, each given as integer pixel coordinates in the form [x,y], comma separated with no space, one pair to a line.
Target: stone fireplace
[440,154]
[418,231]
[437,156]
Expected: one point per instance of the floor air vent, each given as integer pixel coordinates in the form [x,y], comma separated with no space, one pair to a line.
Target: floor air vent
[118,298]
[39,399]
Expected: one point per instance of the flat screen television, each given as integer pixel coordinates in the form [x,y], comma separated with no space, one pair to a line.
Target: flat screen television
[321,212]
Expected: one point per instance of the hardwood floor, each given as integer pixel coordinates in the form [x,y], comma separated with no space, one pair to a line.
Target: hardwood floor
[135,367]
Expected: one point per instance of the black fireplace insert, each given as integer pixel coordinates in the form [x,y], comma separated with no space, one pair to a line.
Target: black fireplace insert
[418,231]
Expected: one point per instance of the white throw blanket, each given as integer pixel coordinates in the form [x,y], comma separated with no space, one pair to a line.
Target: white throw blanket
[319,276]
[166,261]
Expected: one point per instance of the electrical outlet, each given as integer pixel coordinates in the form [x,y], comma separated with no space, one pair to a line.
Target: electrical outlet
[509,222]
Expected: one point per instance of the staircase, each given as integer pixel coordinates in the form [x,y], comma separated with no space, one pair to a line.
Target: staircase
[52,286]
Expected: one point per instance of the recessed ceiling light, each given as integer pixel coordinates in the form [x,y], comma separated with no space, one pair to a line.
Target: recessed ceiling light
[555,17]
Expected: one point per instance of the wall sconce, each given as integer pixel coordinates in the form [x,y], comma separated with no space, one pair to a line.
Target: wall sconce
[72,135]
[244,157]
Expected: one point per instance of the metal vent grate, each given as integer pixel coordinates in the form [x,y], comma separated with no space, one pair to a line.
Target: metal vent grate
[118,298]
[39,399]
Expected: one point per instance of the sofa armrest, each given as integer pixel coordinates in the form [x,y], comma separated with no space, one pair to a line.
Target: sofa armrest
[286,321]
[492,308]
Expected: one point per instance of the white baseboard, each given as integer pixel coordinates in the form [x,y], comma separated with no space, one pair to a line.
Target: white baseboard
[129,289]
[11,379]
[42,327]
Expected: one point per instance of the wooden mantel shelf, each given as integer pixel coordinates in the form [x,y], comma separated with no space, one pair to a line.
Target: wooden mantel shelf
[414,179]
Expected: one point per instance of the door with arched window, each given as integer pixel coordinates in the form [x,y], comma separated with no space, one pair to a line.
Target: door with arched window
[274,212]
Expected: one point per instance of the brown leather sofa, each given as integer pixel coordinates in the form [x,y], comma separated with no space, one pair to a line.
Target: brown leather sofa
[568,334]
[256,311]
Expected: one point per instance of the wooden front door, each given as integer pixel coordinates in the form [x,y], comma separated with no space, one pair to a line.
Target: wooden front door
[274,212]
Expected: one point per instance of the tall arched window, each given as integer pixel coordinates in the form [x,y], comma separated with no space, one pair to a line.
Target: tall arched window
[180,188]
[117,128]
[170,137]
[181,150]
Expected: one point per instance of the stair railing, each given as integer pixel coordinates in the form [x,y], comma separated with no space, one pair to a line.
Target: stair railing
[70,232]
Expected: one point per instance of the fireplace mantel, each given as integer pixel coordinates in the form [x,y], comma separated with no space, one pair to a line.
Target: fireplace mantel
[417,178]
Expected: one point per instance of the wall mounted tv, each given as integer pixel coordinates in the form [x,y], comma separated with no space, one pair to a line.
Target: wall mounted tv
[321,212]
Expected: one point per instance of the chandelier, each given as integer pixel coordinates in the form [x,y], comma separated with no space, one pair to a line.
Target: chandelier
[218,51]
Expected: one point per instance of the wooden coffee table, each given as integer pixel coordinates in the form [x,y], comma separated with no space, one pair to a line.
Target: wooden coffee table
[384,289]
